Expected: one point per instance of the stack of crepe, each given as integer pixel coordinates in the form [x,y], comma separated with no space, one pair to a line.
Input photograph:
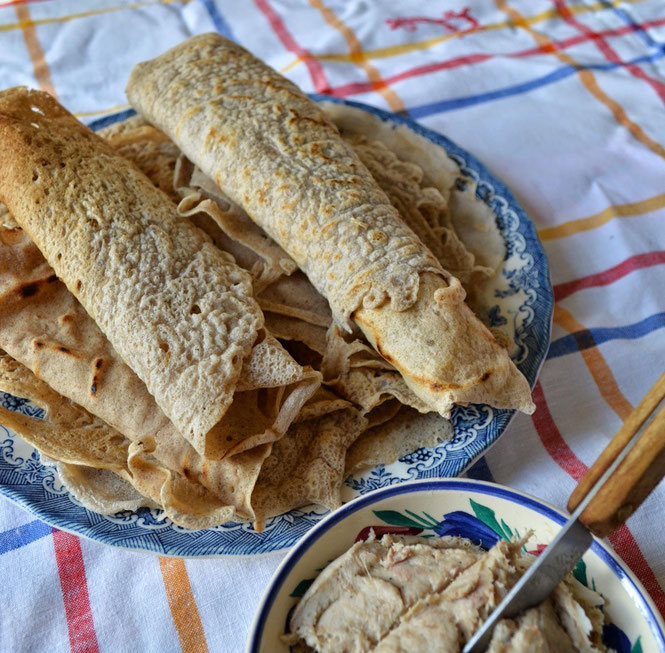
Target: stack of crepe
[225,321]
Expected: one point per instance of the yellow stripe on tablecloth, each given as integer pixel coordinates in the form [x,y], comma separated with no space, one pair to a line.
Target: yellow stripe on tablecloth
[587,78]
[35,50]
[182,604]
[597,365]
[630,210]
[100,112]
[358,56]
[404,48]
[22,24]
[290,66]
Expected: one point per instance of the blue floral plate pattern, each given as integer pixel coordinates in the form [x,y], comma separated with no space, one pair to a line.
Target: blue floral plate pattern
[522,299]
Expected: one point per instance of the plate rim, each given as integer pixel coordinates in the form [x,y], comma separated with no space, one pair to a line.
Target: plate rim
[526,227]
[617,566]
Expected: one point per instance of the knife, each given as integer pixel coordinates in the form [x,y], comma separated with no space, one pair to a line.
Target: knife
[624,474]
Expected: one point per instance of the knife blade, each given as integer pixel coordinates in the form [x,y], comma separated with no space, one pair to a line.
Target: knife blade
[572,541]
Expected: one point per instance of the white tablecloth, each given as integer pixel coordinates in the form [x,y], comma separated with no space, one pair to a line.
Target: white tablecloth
[563,101]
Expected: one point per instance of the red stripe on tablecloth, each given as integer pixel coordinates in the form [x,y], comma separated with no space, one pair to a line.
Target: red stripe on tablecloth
[365,87]
[69,558]
[607,51]
[606,277]
[471,59]
[549,435]
[358,56]
[624,543]
[11,3]
[622,539]
[319,78]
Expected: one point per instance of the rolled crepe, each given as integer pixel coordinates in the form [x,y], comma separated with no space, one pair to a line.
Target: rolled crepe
[430,191]
[294,309]
[107,473]
[178,310]
[275,153]
[46,329]
[97,463]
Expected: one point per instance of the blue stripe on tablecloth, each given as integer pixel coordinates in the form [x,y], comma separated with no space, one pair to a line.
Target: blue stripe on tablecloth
[17,537]
[628,19]
[588,338]
[561,73]
[220,23]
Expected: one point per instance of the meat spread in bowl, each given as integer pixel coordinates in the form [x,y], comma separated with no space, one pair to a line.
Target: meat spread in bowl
[406,593]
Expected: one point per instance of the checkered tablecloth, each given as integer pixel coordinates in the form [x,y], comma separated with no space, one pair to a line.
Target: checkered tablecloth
[564,101]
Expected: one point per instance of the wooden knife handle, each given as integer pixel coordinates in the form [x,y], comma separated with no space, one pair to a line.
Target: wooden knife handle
[635,477]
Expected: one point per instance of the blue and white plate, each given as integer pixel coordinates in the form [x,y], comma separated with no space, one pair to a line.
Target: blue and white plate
[520,301]
[482,512]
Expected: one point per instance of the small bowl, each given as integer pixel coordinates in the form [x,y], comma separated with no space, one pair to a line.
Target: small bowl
[482,512]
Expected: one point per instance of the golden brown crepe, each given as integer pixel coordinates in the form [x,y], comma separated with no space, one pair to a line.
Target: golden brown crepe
[43,326]
[175,307]
[307,465]
[253,474]
[299,318]
[274,152]
[97,463]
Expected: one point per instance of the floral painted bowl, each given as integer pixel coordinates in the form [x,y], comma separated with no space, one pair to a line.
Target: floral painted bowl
[482,512]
